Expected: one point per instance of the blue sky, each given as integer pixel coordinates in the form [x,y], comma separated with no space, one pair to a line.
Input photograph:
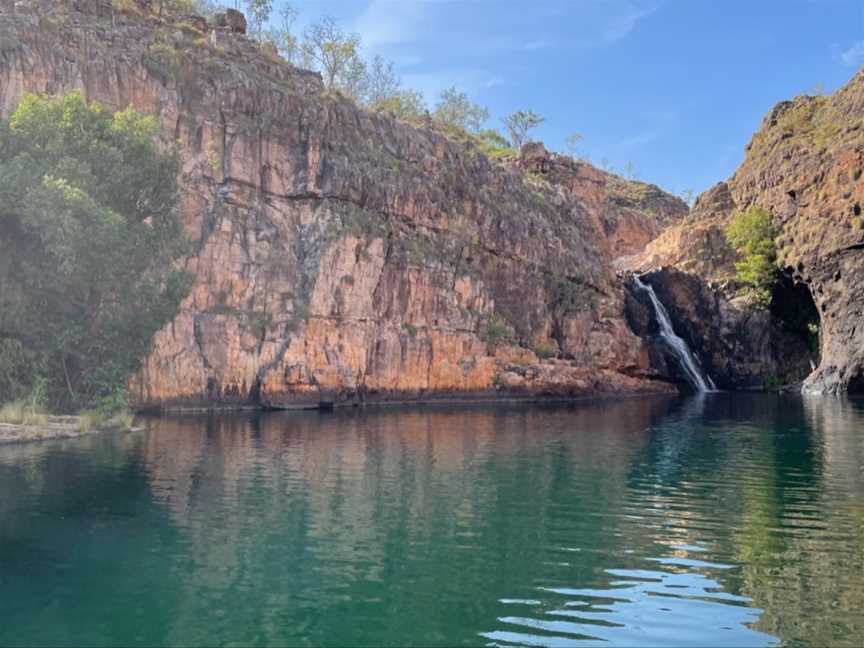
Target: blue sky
[675,88]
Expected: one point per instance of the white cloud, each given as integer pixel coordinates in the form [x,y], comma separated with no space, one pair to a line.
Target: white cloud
[386,23]
[625,21]
[494,81]
[854,56]
[472,81]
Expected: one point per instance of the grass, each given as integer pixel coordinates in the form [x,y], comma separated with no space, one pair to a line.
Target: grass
[22,413]
[92,420]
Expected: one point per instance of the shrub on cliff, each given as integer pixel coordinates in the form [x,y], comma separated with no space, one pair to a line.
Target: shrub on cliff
[88,208]
[494,144]
[752,234]
[455,110]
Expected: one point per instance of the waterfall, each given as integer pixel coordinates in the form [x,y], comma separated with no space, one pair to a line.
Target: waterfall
[698,378]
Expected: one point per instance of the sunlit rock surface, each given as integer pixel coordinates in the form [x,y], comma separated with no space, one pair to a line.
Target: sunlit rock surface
[342,256]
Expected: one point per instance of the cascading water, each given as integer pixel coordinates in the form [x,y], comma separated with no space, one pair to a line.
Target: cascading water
[698,378]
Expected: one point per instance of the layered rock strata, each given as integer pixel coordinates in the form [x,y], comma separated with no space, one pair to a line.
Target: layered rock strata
[343,256]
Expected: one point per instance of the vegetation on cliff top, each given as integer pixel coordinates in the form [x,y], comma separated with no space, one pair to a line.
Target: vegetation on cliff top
[324,46]
[89,233]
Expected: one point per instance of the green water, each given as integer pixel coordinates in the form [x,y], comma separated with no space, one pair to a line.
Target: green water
[720,520]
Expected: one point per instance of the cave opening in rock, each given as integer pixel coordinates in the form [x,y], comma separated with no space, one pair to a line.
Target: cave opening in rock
[856,385]
[792,304]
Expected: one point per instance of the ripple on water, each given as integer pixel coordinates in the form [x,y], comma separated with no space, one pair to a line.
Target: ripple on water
[643,608]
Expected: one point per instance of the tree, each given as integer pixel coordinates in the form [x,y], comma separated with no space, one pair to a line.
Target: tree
[454,109]
[259,13]
[283,38]
[404,104]
[752,234]
[200,7]
[381,81]
[572,142]
[334,53]
[205,8]
[494,144]
[688,196]
[519,124]
[88,217]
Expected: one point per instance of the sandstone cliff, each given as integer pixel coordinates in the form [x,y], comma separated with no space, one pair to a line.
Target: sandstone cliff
[340,255]
[805,165]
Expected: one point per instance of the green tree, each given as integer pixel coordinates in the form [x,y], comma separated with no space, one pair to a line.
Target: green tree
[90,233]
[404,104]
[520,124]
[494,144]
[335,54]
[454,109]
[752,234]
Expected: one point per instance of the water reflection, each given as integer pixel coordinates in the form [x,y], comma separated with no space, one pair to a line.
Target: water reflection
[721,520]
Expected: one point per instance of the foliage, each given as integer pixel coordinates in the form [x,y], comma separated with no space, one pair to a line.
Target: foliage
[519,124]
[813,337]
[259,13]
[497,330]
[403,104]
[544,350]
[688,196]
[381,81]
[17,366]
[494,144]
[565,295]
[204,8]
[200,7]
[95,420]
[29,410]
[454,109]
[771,382]
[89,203]
[573,140]
[162,59]
[282,37]
[752,234]
[334,53]
[19,412]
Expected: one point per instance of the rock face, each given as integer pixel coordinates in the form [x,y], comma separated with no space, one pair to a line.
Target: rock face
[342,256]
[805,165]
[628,214]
